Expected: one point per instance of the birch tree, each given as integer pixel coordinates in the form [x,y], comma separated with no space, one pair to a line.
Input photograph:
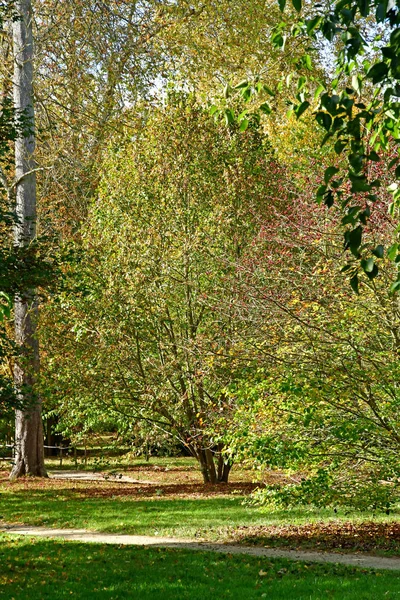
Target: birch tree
[29,459]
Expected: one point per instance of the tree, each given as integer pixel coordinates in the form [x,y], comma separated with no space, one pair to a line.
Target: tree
[358,108]
[93,59]
[150,327]
[29,452]
[363,127]
[96,60]
[322,397]
[21,267]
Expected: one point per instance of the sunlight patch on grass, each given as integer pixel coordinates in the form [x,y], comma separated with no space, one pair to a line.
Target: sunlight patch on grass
[51,570]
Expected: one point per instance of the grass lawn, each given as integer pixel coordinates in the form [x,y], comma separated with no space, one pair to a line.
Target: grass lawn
[171,503]
[112,508]
[51,570]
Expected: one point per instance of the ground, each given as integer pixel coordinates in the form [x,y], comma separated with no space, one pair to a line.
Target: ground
[165,497]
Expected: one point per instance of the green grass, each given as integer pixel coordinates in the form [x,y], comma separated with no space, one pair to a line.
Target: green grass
[209,518]
[178,517]
[175,505]
[52,570]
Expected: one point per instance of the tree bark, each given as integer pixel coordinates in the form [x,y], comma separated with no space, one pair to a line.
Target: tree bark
[200,455]
[29,451]
[211,466]
[206,458]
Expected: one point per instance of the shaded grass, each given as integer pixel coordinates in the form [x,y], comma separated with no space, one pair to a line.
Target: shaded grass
[173,503]
[51,570]
[206,518]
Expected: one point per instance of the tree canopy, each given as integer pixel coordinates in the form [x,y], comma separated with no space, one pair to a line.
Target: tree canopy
[211,177]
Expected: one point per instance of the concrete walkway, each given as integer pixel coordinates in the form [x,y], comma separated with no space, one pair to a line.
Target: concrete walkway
[82,535]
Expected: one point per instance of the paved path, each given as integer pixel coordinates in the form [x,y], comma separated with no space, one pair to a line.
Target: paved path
[96,476]
[82,535]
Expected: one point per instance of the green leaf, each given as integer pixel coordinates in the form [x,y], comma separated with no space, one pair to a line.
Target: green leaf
[379,251]
[373,273]
[374,156]
[354,239]
[268,90]
[346,268]
[244,123]
[380,12]
[229,116]
[330,103]
[329,173]
[392,251]
[324,119]
[395,287]
[246,93]
[301,83]
[308,62]
[297,4]
[378,72]
[329,199]
[359,184]
[337,183]
[356,161]
[354,283]
[278,40]
[5,309]
[340,145]
[368,264]
[364,7]
[242,84]
[282,4]
[299,110]
[265,108]
[353,46]
[326,137]
[319,90]
[312,24]
[351,215]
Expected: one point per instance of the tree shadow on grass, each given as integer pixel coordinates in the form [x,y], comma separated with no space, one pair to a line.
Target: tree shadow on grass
[49,569]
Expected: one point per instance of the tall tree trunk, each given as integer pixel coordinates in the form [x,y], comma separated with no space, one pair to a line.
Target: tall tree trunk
[29,455]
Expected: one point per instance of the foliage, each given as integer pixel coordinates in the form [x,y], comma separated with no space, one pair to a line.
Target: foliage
[358,110]
[203,301]
[222,40]
[322,396]
[364,125]
[93,60]
[15,263]
[131,51]
[152,315]
[334,535]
